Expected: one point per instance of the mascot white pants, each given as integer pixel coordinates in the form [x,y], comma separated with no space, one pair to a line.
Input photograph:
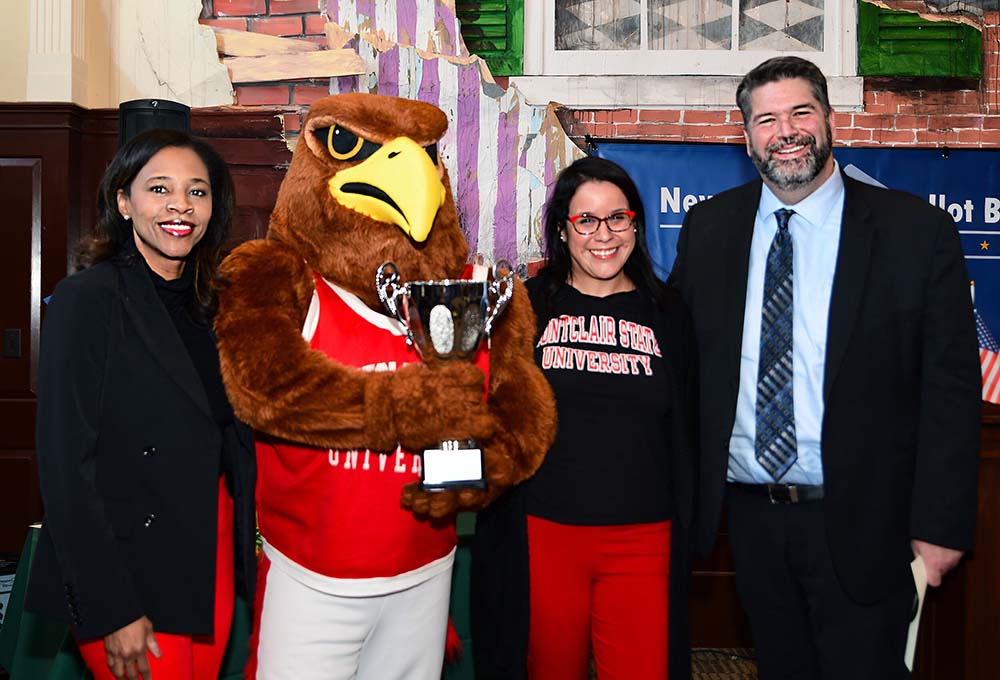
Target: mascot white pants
[309,634]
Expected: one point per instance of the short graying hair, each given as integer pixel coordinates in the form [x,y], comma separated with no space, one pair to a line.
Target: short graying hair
[781,68]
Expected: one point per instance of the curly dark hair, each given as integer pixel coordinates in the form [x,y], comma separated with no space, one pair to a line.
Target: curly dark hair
[638,268]
[112,233]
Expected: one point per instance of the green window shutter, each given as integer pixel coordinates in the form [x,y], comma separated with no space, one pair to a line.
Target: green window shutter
[903,44]
[494,30]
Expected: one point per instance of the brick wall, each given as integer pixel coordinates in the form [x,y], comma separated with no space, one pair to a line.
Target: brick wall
[891,115]
[889,118]
[299,19]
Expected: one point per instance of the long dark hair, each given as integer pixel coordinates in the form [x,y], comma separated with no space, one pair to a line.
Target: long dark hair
[639,266]
[113,233]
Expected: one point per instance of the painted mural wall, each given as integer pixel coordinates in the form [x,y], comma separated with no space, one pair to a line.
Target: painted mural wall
[500,152]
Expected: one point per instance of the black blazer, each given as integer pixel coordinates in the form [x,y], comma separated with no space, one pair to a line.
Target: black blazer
[129,459]
[900,432]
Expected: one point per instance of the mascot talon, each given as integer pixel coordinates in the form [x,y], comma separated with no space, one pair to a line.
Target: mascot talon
[458,388]
[434,504]
[339,400]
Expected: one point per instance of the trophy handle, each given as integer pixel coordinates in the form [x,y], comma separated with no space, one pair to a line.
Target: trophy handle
[391,292]
[501,289]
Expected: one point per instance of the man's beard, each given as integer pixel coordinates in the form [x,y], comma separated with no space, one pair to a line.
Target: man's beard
[788,175]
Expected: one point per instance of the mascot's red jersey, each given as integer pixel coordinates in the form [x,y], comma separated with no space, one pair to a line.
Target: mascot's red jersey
[336,513]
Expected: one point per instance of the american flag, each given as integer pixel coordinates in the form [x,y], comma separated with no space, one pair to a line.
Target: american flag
[989,361]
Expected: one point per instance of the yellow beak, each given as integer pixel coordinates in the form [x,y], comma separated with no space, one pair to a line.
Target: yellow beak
[397,184]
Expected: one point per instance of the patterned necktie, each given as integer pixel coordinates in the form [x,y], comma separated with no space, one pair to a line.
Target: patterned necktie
[774,444]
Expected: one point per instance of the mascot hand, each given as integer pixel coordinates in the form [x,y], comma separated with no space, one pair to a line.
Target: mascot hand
[501,474]
[433,503]
[420,405]
[438,504]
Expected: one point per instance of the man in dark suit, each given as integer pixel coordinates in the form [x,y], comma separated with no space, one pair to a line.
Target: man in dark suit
[839,389]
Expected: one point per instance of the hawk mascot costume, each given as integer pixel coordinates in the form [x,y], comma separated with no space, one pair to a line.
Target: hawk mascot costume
[357,559]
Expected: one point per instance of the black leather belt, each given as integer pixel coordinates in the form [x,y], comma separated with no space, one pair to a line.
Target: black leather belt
[782,493]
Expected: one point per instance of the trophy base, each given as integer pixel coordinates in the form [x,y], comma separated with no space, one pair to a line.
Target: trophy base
[455,465]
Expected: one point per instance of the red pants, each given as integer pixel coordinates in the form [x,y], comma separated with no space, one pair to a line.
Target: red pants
[189,657]
[600,585]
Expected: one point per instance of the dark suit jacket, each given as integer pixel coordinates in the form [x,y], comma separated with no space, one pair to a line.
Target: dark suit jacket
[900,432]
[129,459]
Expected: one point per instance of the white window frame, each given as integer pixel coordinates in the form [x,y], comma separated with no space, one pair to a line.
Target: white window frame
[687,79]
[542,59]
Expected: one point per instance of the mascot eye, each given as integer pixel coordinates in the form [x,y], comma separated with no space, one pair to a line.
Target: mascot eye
[344,145]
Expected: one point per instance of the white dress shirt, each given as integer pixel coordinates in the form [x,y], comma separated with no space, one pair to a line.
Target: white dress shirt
[815,231]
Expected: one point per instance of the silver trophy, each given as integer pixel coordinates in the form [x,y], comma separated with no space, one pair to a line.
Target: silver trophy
[447,320]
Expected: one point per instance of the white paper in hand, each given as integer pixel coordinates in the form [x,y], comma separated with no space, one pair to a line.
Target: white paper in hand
[920,580]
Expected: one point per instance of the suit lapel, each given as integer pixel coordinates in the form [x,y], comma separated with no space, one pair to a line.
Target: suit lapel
[736,264]
[157,331]
[853,259]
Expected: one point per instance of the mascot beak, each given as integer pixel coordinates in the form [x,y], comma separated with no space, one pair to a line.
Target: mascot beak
[398,184]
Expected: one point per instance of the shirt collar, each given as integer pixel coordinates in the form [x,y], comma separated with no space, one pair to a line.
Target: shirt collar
[814,208]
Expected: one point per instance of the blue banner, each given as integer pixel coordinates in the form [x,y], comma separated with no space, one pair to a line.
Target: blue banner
[673,177]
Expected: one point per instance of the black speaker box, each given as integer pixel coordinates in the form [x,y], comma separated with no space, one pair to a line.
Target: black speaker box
[139,115]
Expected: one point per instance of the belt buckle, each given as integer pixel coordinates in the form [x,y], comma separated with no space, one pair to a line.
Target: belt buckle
[791,495]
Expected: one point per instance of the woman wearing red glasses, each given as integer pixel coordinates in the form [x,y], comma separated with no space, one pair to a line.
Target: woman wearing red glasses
[579,557]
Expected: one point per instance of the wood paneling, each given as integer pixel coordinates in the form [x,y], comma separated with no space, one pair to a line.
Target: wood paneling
[21,234]
[981,633]
[52,158]
[19,501]
[717,619]
[37,157]
[251,144]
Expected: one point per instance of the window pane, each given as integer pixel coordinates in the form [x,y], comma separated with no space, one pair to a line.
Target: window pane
[783,25]
[597,24]
[690,24]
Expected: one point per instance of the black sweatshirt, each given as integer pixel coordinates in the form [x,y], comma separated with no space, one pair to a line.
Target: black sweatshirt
[612,388]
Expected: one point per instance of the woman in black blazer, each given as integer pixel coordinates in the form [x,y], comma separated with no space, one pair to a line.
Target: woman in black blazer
[146,476]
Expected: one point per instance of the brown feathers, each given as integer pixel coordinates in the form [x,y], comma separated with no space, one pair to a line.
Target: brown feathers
[379,119]
[287,390]
[343,245]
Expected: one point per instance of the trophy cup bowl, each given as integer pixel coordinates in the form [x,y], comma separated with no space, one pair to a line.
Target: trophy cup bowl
[447,320]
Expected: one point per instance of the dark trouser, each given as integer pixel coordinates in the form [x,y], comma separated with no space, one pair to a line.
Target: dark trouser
[804,624]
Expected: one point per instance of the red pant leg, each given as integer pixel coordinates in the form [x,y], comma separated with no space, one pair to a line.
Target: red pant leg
[207,651]
[174,663]
[630,606]
[560,561]
[186,657]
